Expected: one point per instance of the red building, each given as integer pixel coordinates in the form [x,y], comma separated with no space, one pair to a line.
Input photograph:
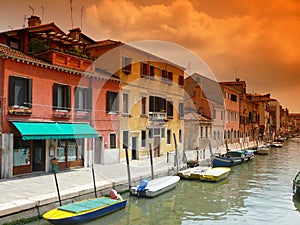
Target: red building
[53,101]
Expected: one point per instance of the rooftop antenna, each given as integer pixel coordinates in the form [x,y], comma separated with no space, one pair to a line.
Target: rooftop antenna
[25,17]
[32,10]
[81,16]
[43,12]
[71,8]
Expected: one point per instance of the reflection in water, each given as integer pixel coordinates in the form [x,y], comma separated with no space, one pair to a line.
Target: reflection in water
[258,192]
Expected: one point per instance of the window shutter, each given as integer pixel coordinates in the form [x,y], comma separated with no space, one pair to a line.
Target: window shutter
[29,91]
[108,102]
[11,92]
[68,96]
[89,99]
[76,102]
[54,96]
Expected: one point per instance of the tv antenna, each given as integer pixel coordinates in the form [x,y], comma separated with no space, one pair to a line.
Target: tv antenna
[32,10]
[71,8]
[25,17]
[42,12]
[81,17]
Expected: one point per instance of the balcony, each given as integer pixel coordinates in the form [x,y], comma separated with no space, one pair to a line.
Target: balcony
[66,60]
[157,116]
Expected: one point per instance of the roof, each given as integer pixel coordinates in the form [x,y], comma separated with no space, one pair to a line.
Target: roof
[8,52]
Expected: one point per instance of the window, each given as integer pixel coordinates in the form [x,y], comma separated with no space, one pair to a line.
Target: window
[150,134]
[151,71]
[83,99]
[181,80]
[170,76]
[144,69]
[112,102]
[125,103]
[180,136]
[206,132]
[61,97]
[143,135]
[181,112]
[112,140]
[233,97]
[20,91]
[163,132]
[156,131]
[126,65]
[157,104]
[201,132]
[143,105]
[170,108]
[21,153]
[125,139]
[164,75]
[214,114]
[168,137]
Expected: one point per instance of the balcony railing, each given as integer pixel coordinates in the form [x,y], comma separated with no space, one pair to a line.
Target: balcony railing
[157,116]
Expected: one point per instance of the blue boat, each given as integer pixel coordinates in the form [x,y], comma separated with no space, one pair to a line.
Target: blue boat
[83,211]
[232,158]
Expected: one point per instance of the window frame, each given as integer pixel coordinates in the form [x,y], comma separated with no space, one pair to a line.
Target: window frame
[86,98]
[26,95]
[112,105]
[66,97]
[112,145]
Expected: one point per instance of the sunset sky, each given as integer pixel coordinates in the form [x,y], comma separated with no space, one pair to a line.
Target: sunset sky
[257,41]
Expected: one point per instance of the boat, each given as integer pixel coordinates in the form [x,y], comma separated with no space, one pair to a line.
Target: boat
[85,210]
[192,173]
[155,187]
[276,145]
[263,150]
[215,174]
[296,185]
[232,158]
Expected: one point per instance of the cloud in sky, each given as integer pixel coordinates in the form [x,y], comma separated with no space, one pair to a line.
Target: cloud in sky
[258,39]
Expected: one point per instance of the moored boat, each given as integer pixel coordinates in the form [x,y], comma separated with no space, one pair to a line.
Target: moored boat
[296,185]
[276,145]
[263,150]
[232,158]
[215,174]
[155,187]
[192,173]
[83,211]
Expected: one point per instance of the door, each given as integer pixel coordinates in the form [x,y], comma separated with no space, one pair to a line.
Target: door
[156,146]
[38,156]
[134,148]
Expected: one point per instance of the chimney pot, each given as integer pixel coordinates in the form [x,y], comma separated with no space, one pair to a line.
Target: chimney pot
[34,21]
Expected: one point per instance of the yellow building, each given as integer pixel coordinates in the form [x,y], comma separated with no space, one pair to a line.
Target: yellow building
[150,100]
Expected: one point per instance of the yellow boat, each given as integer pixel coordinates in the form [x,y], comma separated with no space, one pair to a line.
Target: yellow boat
[214,174]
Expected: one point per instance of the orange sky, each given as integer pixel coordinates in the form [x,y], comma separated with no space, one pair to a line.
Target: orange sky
[257,41]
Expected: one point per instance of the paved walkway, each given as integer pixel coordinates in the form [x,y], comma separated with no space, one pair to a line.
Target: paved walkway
[26,192]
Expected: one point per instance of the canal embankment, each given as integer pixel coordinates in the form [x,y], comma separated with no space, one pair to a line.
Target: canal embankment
[30,196]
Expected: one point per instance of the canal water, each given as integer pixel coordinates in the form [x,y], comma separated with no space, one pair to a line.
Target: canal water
[258,192]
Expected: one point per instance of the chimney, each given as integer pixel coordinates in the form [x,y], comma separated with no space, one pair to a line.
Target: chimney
[34,21]
[75,33]
[237,79]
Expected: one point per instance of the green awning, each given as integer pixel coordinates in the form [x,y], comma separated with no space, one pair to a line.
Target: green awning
[51,130]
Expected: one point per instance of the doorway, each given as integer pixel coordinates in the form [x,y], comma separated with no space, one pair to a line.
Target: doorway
[156,146]
[134,148]
[38,156]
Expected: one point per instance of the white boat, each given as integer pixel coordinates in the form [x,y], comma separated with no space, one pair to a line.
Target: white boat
[276,145]
[192,173]
[263,150]
[155,187]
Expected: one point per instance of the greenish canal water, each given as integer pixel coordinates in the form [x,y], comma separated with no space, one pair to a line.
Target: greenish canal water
[259,192]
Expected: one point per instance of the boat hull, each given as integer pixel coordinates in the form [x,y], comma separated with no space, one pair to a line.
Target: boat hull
[215,174]
[156,186]
[230,160]
[191,173]
[296,186]
[62,217]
